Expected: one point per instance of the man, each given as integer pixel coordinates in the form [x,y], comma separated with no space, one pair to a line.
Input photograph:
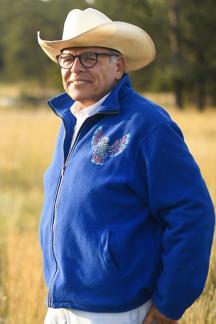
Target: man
[127,221]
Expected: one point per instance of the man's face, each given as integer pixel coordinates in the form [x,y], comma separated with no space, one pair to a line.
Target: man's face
[88,85]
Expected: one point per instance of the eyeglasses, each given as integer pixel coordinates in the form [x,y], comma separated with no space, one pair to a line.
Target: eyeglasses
[87,59]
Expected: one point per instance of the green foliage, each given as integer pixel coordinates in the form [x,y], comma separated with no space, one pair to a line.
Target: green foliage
[191,67]
[21,55]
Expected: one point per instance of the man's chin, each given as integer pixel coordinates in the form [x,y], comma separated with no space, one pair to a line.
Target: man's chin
[74,95]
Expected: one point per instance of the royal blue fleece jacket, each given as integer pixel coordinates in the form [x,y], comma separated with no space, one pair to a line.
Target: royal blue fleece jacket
[126,215]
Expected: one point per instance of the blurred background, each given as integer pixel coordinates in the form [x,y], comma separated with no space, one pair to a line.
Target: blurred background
[182,80]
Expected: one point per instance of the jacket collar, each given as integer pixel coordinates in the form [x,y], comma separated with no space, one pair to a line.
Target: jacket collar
[62,103]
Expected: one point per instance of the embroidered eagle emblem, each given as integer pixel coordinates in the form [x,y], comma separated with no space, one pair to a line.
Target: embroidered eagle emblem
[101,149]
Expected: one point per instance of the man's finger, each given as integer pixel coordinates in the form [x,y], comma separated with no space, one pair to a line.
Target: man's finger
[149,319]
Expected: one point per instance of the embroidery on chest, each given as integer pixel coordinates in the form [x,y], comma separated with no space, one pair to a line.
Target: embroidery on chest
[101,149]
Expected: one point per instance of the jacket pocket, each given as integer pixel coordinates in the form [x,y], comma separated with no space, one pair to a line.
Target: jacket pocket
[107,248]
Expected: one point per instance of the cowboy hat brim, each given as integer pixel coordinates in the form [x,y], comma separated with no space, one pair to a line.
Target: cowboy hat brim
[131,41]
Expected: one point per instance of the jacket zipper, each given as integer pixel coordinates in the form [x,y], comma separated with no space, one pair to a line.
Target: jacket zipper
[53,234]
[58,191]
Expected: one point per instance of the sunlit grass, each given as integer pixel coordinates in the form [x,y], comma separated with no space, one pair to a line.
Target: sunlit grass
[26,144]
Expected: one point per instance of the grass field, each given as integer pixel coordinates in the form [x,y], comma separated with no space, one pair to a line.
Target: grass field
[26,143]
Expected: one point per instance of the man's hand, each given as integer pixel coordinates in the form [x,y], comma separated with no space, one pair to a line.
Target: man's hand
[156,317]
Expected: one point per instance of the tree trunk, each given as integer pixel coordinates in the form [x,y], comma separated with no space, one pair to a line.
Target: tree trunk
[174,42]
[178,94]
[201,95]
[213,99]
[201,80]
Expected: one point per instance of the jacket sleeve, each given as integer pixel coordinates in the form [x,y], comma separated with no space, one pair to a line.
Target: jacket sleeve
[179,198]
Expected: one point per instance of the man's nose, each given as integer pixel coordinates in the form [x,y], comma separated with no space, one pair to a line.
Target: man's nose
[77,66]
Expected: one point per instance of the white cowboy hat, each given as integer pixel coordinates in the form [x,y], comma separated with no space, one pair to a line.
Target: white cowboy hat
[91,27]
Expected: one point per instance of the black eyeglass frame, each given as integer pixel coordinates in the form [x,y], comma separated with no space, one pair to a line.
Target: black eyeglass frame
[80,58]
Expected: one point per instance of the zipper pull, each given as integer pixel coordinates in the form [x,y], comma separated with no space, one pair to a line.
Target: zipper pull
[63,170]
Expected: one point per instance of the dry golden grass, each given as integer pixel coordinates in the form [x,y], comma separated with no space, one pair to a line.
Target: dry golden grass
[24,285]
[26,142]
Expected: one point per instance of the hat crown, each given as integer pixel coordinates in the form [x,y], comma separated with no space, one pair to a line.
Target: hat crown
[79,21]
[90,27]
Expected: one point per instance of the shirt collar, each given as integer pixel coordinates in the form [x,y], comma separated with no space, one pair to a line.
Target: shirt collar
[88,111]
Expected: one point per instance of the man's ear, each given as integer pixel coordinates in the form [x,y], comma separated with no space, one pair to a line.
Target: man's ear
[120,67]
